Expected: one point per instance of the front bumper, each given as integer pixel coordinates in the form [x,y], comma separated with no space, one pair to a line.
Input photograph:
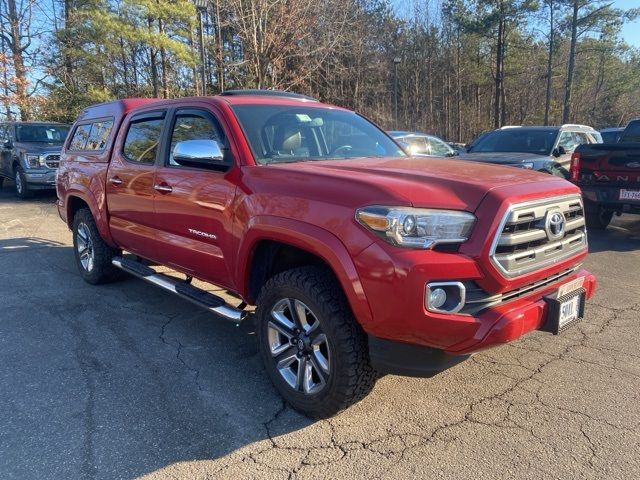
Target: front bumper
[40,179]
[395,290]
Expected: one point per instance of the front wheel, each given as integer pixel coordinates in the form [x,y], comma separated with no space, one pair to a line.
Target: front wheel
[313,350]
[22,191]
[597,216]
[93,255]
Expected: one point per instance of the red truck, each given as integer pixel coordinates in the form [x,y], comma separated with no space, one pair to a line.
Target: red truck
[360,260]
[609,176]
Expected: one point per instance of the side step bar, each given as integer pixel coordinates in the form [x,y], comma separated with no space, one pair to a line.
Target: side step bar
[195,295]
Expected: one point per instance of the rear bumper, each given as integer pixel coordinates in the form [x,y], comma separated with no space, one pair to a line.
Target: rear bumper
[609,197]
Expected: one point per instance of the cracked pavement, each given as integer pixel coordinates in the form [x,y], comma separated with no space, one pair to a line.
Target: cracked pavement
[127,381]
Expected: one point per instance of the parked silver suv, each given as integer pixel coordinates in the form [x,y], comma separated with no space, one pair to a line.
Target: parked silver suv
[545,149]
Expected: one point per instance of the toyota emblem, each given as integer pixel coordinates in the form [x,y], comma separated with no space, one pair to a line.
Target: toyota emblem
[554,224]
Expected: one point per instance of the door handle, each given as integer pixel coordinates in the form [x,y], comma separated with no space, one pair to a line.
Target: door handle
[163,188]
[115,181]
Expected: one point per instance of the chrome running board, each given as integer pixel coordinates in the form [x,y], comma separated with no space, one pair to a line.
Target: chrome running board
[195,295]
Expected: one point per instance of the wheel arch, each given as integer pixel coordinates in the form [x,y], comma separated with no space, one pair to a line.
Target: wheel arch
[268,247]
[76,200]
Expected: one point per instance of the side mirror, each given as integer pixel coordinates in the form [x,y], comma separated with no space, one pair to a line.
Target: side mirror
[8,144]
[198,153]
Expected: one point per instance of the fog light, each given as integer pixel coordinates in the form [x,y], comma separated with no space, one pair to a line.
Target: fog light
[437,298]
[445,297]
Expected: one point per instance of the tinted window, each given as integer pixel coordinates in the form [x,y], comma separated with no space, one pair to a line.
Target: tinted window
[41,133]
[194,127]
[99,135]
[80,137]
[141,143]
[516,140]
[632,132]
[610,137]
[279,134]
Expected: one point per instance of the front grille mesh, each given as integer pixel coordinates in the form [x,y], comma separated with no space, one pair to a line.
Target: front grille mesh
[524,244]
[52,161]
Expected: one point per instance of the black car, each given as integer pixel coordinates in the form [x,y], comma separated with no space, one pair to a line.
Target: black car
[30,154]
[545,149]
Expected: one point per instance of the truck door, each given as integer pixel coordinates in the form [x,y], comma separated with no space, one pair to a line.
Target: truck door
[130,183]
[194,202]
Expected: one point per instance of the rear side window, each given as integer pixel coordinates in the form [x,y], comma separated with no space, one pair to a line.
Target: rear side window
[631,133]
[141,142]
[91,136]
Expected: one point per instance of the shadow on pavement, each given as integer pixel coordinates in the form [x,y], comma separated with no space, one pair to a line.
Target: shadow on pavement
[622,235]
[119,380]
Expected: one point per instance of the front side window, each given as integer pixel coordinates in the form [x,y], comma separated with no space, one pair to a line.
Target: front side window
[283,134]
[41,133]
[520,140]
[194,127]
[141,142]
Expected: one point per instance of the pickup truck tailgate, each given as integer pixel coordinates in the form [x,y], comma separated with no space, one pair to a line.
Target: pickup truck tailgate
[611,163]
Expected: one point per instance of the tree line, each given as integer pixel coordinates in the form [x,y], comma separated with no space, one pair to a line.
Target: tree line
[453,67]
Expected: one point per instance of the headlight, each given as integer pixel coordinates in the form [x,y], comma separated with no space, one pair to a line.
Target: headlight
[33,161]
[417,227]
[527,165]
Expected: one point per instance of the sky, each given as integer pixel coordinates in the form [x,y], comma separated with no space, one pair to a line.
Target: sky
[631,31]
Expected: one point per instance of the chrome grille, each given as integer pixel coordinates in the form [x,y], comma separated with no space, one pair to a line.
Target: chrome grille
[527,238]
[52,161]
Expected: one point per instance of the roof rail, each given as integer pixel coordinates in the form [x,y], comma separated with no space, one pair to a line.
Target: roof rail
[575,125]
[266,93]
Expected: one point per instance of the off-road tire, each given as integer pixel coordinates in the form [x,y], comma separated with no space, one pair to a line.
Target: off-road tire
[22,189]
[597,216]
[102,270]
[351,376]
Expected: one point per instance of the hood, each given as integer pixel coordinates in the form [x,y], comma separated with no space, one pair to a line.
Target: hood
[38,148]
[503,158]
[419,182]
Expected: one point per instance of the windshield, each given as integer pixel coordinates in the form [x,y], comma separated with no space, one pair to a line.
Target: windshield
[41,133]
[283,134]
[516,140]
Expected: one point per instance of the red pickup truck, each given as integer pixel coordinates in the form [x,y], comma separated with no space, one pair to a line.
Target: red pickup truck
[360,259]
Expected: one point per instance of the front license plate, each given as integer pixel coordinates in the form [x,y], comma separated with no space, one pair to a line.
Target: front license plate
[564,311]
[569,310]
[629,194]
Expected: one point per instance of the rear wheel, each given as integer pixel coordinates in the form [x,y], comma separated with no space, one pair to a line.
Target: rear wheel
[22,191]
[313,350]
[597,216]
[93,255]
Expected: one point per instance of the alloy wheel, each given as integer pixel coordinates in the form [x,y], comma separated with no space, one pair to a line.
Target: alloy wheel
[299,347]
[18,181]
[85,247]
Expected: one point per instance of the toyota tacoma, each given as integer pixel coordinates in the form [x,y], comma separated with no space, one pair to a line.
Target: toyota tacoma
[359,259]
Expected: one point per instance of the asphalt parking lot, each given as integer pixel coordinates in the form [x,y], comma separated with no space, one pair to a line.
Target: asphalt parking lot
[125,381]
